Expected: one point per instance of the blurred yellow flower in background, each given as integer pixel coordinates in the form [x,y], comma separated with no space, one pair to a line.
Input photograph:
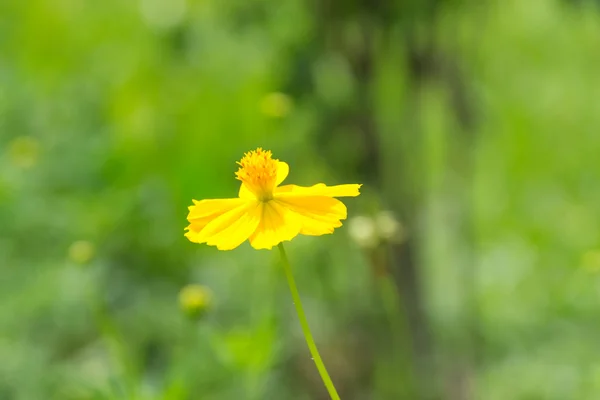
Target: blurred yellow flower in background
[195,299]
[81,251]
[276,105]
[24,151]
[591,260]
[266,213]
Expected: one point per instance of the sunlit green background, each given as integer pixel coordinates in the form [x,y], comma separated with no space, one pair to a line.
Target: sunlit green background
[469,268]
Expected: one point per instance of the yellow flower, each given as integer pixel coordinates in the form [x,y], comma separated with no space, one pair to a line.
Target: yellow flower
[264,212]
[276,105]
[591,260]
[24,151]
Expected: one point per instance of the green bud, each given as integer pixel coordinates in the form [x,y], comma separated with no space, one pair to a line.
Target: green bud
[195,300]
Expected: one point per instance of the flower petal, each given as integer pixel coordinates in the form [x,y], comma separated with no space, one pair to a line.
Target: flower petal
[320,215]
[245,193]
[238,231]
[204,211]
[209,218]
[232,228]
[320,189]
[282,172]
[283,169]
[277,224]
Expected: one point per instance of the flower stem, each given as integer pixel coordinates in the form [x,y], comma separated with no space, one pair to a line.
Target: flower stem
[304,323]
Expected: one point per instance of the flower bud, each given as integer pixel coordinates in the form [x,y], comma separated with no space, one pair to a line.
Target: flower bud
[195,300]
[81,251]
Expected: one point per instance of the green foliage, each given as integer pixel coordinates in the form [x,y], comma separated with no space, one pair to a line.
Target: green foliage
[114,115]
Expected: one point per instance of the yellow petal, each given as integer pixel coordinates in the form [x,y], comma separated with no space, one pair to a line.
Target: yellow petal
[204,211]
[319,215]
[282,172]
[277,224]
[232,228]
[245,193]
[320,189]
[239,230]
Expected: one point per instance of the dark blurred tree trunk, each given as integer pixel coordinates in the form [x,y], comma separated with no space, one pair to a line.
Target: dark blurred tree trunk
[374,22]
[427,62]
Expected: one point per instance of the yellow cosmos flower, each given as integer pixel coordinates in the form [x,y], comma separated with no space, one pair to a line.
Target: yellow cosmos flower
[264,212]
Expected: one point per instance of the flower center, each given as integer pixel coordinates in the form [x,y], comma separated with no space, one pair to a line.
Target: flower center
[258,171]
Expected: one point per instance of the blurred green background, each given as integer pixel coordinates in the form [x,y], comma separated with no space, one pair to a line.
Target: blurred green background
[469,267]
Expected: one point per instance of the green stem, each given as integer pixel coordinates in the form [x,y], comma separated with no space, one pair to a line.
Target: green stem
[305,329]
